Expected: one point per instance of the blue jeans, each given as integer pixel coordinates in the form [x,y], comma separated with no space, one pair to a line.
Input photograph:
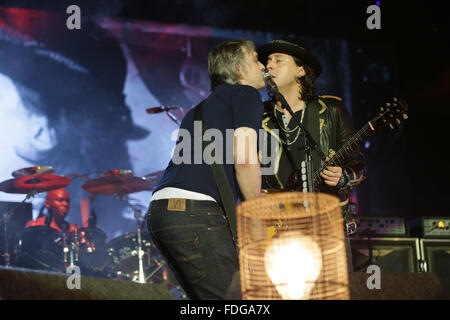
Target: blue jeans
[196,240]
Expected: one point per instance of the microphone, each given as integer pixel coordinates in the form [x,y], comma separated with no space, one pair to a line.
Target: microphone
[160,109]
[272,86]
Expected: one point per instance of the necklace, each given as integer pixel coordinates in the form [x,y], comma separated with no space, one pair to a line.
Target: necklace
[297,128]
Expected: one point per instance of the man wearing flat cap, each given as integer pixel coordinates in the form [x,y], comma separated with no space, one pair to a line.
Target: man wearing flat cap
[294,70]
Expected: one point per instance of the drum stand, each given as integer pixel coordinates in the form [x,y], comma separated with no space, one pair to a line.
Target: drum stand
[138,216]
[5,234]
[70,248]
[161,264]
[6,216]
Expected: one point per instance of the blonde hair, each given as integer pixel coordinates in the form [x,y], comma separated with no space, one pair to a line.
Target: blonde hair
[223,60]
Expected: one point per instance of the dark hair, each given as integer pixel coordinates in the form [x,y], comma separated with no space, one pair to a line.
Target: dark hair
[307,82]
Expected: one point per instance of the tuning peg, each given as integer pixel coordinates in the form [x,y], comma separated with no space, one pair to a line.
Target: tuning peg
[395,99]
[388,104]
[391,126]
[397,120]
[405,116]
[382,109]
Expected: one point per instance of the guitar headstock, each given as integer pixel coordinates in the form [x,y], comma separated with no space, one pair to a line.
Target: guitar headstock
[392,113]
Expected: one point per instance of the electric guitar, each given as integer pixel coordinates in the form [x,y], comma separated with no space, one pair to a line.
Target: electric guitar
[390,115]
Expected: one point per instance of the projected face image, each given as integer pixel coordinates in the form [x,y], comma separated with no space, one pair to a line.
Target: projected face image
[24,133]
[153,152]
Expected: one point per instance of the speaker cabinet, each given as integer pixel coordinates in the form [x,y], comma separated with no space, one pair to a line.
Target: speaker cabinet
[436,254]
[390,254]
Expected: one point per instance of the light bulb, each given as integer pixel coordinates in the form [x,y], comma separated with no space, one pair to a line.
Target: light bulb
[293,262]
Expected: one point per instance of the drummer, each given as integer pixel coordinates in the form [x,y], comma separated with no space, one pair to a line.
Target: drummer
[57,203]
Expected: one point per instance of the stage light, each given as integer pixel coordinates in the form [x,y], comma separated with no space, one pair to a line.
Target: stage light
[291,246]
[293,263]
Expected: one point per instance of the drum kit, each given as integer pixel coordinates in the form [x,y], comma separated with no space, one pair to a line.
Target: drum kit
[132,256]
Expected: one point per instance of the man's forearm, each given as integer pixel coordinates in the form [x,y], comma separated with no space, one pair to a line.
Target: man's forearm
[249,179]
[246,163]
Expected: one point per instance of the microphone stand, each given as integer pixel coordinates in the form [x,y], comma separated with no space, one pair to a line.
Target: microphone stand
[167,111]
[309,143]
[173,117]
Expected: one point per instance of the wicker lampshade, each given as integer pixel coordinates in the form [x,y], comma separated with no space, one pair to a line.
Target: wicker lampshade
[292,247]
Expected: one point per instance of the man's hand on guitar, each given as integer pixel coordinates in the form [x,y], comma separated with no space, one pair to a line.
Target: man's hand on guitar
[331,175]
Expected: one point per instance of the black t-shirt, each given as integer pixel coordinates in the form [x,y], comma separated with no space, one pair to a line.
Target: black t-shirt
[228,107]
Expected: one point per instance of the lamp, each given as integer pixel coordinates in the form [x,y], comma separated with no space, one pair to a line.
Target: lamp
[293,262]
[291,246]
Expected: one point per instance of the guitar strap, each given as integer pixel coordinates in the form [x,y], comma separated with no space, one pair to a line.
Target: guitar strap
[220,177]
[313,127]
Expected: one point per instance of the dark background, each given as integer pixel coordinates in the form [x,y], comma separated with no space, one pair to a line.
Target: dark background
[408,57]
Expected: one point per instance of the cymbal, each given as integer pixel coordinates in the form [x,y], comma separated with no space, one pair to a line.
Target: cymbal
[117,182]
[37,183]
[33,170]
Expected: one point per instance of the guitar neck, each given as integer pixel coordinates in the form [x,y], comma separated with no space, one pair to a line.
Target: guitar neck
[392,111]
[344,152]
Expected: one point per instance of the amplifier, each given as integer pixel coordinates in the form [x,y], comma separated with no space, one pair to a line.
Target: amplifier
[381,226]
[389,253]
[436,255]
[436,227]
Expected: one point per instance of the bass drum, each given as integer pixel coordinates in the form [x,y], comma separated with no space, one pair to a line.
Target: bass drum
[41,248]
[92,255]
[123,251]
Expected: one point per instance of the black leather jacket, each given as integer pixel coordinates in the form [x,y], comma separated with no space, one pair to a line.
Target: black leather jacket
[335,130]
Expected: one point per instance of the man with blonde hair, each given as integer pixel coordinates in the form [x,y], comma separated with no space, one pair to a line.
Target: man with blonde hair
[191,213]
